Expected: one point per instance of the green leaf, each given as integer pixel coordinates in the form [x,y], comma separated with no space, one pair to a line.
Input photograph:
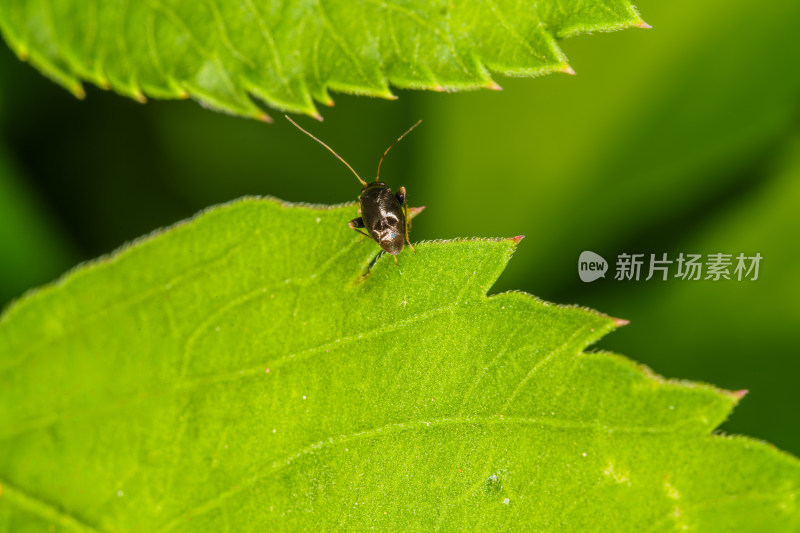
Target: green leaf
[252,369]
[289,54]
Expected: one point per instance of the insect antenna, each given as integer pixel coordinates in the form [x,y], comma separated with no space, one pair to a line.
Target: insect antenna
[390,147]
[364,183]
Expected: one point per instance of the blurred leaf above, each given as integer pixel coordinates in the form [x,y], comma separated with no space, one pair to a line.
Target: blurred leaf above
[675,139]
[289,54]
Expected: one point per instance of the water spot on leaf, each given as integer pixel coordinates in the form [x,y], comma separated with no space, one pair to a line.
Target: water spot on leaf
[494,483]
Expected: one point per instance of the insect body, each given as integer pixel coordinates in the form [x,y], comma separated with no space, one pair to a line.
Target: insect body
[384,215]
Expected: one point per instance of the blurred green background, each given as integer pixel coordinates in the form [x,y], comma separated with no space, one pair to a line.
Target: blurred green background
[683,138]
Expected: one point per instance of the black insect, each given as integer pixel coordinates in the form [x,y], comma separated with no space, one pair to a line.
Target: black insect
[383,214]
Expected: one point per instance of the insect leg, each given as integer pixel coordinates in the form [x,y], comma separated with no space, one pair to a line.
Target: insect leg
[357,223]
[401,197]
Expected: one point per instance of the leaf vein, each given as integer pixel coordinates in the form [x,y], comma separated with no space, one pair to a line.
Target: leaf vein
[267,36]
[39,507]
[340,42]
[223,31]
[569,344]
[146,294]
[392,429]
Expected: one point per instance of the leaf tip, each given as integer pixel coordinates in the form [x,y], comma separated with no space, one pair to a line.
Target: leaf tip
[328,101]
[620,322]
[139,96]
[739,394]
[642,24]
[78,91]
[414,211]
[566,69]
[263,117]
[316,116]
[517,238]
[493,86]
